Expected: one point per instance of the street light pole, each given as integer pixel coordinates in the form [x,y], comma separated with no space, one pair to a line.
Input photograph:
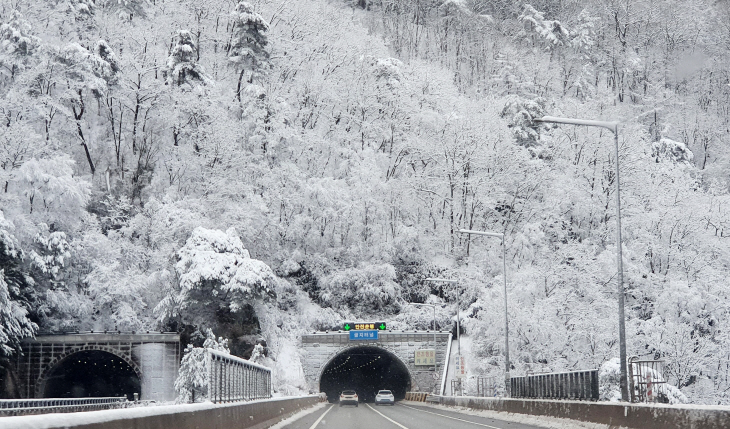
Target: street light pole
[434,328]
[458,332]
[507,364]
[613,127]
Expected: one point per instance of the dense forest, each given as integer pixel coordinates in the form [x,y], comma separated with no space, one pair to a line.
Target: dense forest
[271,167]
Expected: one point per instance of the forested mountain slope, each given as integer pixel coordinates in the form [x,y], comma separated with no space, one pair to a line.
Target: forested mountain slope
[272,167]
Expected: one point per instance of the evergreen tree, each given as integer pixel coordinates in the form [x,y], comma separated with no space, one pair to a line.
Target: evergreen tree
[182,69]
[249,44]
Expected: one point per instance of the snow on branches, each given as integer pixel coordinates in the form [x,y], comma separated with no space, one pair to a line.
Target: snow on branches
[14,322]
[215,271]
[182,68]
[191,384]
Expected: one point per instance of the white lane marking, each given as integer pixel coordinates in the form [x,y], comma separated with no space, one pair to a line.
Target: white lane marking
[321,417]
[449,417]
[386,417]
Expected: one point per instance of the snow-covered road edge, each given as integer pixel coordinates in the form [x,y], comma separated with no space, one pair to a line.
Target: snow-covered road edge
[56,420]
[542,421]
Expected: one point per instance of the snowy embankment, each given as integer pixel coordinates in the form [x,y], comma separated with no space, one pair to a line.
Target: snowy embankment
[203,415]
[625,415]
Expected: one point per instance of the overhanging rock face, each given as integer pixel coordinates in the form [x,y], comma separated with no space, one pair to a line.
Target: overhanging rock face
[320,348]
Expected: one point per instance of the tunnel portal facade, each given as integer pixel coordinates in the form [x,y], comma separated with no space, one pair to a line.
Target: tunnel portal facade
[325,352]
[152,359]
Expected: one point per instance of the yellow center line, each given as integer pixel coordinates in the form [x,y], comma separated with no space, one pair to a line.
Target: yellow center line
[452,418]
[386,417]
[321,417]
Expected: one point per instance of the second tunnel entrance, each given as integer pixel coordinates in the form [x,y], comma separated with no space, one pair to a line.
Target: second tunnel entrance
[365,370]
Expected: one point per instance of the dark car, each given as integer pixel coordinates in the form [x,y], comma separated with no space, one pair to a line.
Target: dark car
[348,397]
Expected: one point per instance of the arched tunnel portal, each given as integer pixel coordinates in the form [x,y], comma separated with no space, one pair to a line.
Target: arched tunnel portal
[365,369]
[91,373]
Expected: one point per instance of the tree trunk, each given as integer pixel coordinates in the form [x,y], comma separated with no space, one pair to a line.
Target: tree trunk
[238,88]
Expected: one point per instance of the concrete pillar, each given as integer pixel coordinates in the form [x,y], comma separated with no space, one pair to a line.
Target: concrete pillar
[159,366]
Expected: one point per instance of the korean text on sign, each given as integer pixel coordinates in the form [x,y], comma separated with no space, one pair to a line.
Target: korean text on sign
[363,335]
[425,357]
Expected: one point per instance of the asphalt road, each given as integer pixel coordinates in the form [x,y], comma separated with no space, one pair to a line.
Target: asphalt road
[399,416]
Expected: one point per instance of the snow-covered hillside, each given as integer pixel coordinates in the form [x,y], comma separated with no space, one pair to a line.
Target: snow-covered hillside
[272,167]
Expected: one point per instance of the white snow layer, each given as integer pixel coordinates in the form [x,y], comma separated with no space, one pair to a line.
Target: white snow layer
[55,420]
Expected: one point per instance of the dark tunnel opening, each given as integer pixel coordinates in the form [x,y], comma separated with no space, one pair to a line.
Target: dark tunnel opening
[92,373]
[365,370]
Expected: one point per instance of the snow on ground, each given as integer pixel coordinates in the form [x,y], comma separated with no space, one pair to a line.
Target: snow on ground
[54,420]
[541,421]
[299,415]
[288,372]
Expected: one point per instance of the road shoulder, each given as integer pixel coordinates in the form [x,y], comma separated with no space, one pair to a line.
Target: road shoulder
[541,421]
[304,416]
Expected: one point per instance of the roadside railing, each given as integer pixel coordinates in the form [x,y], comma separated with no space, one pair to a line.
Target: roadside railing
[231,378]
[565,385]
[19,407]
[647,380]
[486,387]
[417,396]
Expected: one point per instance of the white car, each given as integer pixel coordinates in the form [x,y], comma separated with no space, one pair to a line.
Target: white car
[384,397]
[348,397]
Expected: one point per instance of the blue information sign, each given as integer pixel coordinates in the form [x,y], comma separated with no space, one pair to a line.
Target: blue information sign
[363,335]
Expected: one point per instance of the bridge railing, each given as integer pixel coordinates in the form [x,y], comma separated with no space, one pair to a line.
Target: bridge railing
[231,378]
[564,385]
[19,407]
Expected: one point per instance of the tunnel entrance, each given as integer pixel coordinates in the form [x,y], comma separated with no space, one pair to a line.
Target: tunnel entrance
[365,370]
[91,373]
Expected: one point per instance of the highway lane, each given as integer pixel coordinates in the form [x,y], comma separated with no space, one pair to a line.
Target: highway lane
[400,416]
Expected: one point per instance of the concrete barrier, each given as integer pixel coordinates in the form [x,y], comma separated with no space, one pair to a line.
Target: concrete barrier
[243,415]
[638,416]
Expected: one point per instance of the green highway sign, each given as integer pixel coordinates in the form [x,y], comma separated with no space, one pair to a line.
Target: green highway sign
[365,326]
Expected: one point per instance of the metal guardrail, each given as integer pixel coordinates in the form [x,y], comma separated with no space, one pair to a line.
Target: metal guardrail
[486,387]
[647,380]
[231,378]
[564,385]
[457,387]
[19,407]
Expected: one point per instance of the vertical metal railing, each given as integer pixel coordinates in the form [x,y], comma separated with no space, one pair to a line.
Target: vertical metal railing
[646,378]
[231,378]
[486,386]
[582,385]
[457,387]
[19,407]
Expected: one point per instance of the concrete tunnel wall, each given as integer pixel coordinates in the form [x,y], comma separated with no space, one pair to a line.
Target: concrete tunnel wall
[320,348]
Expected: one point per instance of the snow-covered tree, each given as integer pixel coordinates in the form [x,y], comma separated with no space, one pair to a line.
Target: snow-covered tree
[520,114]
[216,274]
[49,185]
[191,384]
[17,45]
[248,51]
[15,290]
[364,290]
[552,32]
[182,69]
